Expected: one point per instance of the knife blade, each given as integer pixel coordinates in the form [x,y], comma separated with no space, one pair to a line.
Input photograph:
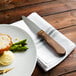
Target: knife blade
[41,33]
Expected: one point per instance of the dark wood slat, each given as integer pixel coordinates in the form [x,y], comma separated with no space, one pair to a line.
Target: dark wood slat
[62,20]
[69,64]
[70,33]
[67,1]
[19,3]
[70,74]
[43,9]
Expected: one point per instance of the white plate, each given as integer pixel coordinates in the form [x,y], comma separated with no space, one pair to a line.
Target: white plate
[24,62]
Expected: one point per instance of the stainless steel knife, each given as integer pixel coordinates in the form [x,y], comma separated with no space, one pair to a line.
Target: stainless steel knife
[41,33]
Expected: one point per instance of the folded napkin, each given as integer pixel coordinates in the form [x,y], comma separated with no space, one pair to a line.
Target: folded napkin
[47,58]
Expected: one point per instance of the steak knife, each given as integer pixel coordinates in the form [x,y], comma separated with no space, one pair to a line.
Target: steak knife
[41,33]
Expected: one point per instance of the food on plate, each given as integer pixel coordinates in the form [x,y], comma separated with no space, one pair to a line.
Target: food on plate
[19,46]
[5,70]
[5,42]
[7,47]
[6,58]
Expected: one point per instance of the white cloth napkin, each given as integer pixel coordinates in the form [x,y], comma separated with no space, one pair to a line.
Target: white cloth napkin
[47,58]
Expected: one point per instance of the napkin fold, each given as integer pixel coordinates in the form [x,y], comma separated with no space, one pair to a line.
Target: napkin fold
[46,57]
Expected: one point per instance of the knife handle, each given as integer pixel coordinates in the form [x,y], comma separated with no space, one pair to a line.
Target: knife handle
[58,48]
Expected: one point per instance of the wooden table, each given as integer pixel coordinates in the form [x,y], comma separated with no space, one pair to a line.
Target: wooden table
[60,13]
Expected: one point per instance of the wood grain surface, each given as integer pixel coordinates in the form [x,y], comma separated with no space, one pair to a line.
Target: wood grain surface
[60,13]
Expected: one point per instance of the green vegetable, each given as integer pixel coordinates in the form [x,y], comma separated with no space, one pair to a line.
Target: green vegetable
[22,42]
[19,46]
